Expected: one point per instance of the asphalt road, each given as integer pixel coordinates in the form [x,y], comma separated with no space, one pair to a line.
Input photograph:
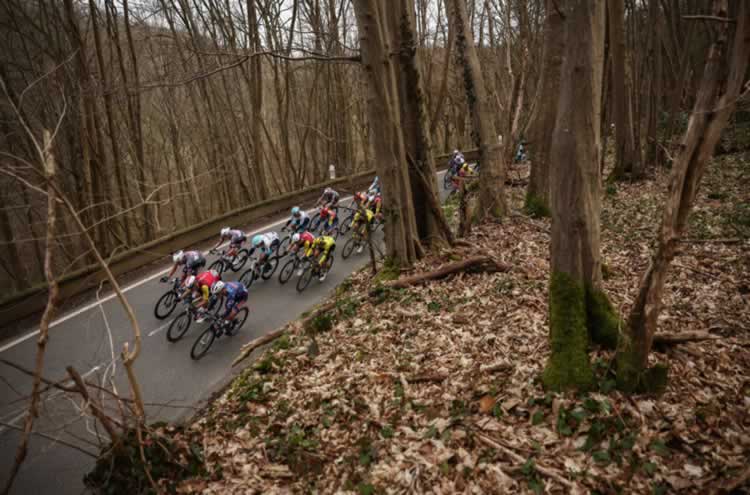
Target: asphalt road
[90,339]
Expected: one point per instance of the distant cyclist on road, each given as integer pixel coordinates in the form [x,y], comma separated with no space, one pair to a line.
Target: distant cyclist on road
[301,241]
[329,199]
[329,220]
[299,220]
[234,236]
[456,160]
[265,244]
[236,296]
[323,249]
[374,187]
[190,261]
[200,288]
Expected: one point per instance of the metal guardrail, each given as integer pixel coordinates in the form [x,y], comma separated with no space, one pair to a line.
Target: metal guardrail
[33,300]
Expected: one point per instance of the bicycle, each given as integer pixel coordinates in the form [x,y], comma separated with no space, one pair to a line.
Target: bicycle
[226,263]
[358,241]
[313,270]
[167,303]
[216,330]
[295,264]
[284,244]
[346,225]
[182,322]
[255,272]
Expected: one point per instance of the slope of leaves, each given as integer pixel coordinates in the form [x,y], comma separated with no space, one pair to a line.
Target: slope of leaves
[436,388]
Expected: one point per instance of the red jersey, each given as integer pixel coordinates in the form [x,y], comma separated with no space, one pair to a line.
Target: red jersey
[306,237]
[207,279]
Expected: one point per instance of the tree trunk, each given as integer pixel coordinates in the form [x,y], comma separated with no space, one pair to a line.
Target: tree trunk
[384,118]
[537,195]
[578,309]
[627,156]
[492,183]
[717,97]
[431,224]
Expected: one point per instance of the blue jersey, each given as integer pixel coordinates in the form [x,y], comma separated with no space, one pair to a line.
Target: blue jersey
[236,293]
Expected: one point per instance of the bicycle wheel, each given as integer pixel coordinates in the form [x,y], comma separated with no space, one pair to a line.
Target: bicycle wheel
[165,305]
[346,225]
[179,326]
[203,343]
[215,307]
[239,320]
[217,265]
[248,276]
[287,271]
[269,268]
[239,260]
[283,249]
[305,279]
[349,247]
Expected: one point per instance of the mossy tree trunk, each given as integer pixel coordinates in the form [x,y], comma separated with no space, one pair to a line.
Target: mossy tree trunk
[579,310]
[537,194]
[492,185]
[717,97]
[385,124]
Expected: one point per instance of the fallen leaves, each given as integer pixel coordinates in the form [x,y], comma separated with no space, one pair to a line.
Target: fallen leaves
[434,388]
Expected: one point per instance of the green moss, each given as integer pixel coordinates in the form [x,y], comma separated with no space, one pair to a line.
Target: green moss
[632,378]
[391,271]
[604,323]
[568,366]
[536,207]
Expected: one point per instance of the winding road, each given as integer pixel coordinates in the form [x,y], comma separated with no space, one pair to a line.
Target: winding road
[90,339]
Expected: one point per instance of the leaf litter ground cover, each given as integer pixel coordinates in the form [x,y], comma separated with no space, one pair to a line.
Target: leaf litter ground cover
[435,388]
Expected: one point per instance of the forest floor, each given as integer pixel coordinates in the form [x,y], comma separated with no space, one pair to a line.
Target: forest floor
[436,388]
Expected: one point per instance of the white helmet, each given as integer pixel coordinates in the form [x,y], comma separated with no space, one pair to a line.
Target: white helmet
[178,256]
[295,238]
[217,287]
[190,281]
[456,152]
[224,231]
[328,190]
[460,160]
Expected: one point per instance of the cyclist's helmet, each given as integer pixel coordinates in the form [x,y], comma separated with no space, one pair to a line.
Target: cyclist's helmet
[328,191]
[225,232]
[295,211]
[178,256]
[217,287]
[325,212]
[359,197]
[189,281]
[295,238]
[257,240]
[460,160]
[456,152]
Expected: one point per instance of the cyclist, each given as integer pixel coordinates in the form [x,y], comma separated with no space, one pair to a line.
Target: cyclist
[200,287]
[299,220]
[360,199]
[375,203]
[329,220]
[374,187]
[323,249]
[329,199]
[265,244]
[234,236]
[301,241]
[461,170]
[191,262]
[453,163]
[236,296]
[360,225]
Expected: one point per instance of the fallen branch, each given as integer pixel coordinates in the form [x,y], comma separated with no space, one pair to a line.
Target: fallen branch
[248,348]
[434,378]
[665,339]
[474,265]
[550,473]
[494,368]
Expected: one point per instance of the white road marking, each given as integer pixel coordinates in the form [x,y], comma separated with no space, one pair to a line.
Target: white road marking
[132,286]
[154,332]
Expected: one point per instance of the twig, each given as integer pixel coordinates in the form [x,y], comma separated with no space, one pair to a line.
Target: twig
[550,473]
[52,439]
